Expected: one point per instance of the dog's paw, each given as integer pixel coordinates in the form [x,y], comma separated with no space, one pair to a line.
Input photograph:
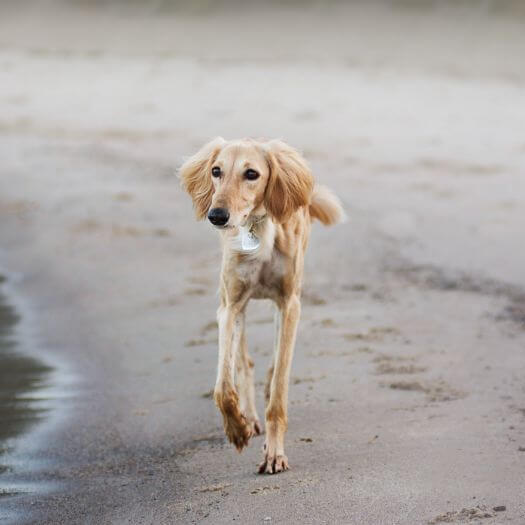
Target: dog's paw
[238,430]
[273,463]
[237,427]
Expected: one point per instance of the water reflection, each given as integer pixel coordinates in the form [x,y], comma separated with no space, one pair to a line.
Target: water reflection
[21,378]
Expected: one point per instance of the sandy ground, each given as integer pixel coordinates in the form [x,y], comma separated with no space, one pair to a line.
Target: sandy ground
[408,399]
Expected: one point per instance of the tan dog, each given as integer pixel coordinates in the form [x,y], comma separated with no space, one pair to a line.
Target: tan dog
[262,198]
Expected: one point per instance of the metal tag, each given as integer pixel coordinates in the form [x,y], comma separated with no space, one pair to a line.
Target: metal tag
[249,241]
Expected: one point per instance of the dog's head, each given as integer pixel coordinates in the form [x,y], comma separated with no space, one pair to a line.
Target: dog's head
[232,182]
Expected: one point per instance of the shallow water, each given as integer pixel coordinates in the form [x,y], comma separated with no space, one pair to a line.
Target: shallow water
[22,379]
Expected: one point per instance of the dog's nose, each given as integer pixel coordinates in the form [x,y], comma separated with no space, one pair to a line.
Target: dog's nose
[219,216]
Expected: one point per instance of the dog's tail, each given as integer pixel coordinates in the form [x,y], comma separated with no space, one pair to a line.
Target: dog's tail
[326,207]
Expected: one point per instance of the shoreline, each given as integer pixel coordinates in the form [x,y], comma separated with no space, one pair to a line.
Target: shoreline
[25,453]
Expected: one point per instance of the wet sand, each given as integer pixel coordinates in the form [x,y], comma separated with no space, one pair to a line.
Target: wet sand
[35,397]
[407,401]
[21,379]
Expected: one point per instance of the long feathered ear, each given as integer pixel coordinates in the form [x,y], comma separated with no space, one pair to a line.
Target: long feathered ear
[196,178]
[290,184]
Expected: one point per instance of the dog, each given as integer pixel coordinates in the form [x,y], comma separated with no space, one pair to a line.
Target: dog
[261,197]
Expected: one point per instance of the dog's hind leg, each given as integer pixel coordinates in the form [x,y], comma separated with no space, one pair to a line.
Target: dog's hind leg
[268,383]
[269,373]
[245,383]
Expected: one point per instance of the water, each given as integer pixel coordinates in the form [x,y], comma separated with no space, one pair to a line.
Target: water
[23,380]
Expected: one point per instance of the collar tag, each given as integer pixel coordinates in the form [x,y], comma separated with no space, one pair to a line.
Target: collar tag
[249,241]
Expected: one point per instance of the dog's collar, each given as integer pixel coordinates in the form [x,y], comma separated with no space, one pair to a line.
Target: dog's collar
[257,220]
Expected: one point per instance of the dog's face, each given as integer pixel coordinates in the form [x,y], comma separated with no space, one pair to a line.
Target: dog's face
[239,175]
[233,182]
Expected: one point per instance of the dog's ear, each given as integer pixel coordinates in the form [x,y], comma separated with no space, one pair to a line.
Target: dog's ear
[290,184]
[196,178]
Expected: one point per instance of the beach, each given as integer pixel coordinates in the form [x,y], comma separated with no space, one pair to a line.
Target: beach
[407,399]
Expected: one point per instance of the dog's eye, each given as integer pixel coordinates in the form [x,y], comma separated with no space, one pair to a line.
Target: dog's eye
[251,174]
[216,171]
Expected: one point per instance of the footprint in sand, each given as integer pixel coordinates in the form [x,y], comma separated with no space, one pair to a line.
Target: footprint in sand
[388,364]
[378,333]
[437,391]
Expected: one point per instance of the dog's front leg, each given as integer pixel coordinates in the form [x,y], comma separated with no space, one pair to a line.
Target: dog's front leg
[277,408]
[236,426]
[244,381]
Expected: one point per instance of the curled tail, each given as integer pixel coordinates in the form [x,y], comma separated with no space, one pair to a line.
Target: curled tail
[326,206]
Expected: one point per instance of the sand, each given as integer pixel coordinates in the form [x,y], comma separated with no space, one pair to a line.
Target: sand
[407,402]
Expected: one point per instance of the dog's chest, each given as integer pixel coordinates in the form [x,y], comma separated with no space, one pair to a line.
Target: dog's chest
[262,270]
[263,277]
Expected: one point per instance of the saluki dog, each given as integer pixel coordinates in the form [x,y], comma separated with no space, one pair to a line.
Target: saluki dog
[261,196]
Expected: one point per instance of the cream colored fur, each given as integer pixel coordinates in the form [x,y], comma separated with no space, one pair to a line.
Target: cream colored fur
[278,207]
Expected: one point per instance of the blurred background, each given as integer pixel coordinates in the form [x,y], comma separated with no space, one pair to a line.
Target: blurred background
[407,396]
